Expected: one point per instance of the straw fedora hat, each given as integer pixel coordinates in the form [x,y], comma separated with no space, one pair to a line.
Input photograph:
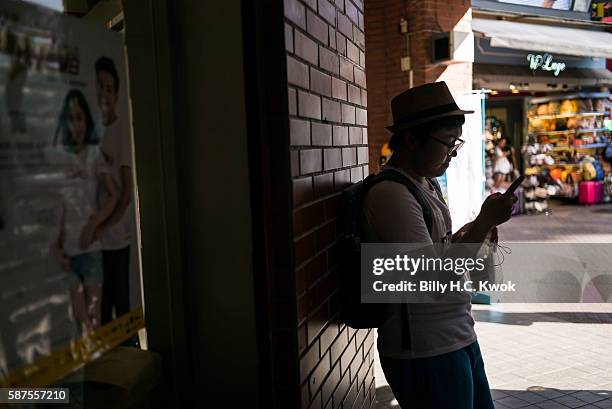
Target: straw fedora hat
[423,104]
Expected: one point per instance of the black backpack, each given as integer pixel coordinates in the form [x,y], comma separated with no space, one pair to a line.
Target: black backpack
[353,313]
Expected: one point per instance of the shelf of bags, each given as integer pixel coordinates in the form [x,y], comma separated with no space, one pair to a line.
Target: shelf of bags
[540,168]
[577,95]
[585,146]
[560,164]
[558,116]
[569,131]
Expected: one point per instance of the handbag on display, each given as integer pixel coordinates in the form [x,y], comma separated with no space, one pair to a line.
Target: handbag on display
[541,206]
[588,139]
[586,123]
[538,124]
[542,109]
[541,192]
[568,106]
[553,107]
[588,171]
[585,105]
[564,175]
[553,190]
[533,181]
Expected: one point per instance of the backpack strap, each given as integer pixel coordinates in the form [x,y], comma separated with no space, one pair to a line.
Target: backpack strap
[434,182]
[396,176]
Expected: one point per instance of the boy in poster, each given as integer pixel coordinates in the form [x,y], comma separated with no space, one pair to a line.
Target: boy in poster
[115,234]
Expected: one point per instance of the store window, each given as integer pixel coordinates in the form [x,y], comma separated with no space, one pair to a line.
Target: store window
[70,279]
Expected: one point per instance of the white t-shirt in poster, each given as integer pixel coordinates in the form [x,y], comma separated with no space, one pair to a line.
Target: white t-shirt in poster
[80,196]
[117,147]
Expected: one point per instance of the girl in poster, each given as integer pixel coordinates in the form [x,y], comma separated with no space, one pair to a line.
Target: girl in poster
[77,246]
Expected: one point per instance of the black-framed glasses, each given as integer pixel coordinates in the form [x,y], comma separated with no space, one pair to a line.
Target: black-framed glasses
[452,147]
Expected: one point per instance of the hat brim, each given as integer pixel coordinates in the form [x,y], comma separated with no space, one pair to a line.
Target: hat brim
[405,125]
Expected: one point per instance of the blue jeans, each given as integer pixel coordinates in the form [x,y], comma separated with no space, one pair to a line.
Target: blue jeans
[88,267]
[456,380]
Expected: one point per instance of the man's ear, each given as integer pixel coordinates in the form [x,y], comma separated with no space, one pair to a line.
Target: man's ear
[410,140]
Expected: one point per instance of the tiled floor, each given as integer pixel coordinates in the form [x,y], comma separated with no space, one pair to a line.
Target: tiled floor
[541,356]
[565,224]
[547,355]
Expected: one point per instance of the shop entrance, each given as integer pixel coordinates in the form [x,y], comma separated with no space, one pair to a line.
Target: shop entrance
[560,141]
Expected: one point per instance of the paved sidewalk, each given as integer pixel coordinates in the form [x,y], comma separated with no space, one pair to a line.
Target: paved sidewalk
[541,356]
[565,224]
[547,355]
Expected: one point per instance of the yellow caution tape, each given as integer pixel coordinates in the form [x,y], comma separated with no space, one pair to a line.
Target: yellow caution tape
[67,359]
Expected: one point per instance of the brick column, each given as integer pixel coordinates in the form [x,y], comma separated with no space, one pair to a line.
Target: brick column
[325,45]
[386,45]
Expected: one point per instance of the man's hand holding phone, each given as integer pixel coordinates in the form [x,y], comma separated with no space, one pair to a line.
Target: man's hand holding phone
[497,208]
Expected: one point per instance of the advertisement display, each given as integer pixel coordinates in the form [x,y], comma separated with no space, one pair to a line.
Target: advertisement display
[69,275]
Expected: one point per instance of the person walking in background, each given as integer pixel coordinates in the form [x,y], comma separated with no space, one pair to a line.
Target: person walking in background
[502,166]
[77,247]
[116,232]
[512,158]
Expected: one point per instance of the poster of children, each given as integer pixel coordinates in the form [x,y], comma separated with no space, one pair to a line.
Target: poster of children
[68,243]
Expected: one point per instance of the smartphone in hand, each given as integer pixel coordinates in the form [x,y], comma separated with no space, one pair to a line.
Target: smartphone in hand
[517,182]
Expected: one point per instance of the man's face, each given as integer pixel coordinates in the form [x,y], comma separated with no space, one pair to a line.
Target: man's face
[433,158]
[107,94]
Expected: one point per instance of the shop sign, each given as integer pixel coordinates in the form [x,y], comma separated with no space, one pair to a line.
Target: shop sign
[545,62]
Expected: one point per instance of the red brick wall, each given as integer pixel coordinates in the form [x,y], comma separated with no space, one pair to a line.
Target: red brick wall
[386,46]
[328,134]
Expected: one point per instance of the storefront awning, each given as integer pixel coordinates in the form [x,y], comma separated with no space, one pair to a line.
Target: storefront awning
[541,38]
[486,75]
